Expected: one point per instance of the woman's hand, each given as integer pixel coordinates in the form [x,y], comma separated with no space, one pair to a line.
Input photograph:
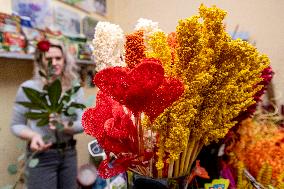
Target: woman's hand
[37,143]
[35,140]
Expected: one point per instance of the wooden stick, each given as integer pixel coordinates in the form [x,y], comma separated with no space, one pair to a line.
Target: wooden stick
[145,171]
[190,146]
[160,173]
[140,133]
[151,167]
[193,156]
[171,169]
[176,171]
[199,149]
[134,171]
[141,170]
[196,151]
[152,149]
[182,161]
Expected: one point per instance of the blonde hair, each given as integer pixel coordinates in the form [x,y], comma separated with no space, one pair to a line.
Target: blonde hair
[70,71]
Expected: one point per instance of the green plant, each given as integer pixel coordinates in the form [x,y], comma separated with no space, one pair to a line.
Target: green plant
[17,168]
[51,101]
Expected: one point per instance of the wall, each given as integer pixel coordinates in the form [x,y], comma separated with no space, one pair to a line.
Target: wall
[261,18]
[12,74]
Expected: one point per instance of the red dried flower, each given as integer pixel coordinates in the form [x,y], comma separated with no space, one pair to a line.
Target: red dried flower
[141,89]
[43,45]
[170,90]
[110,125]
[131,88]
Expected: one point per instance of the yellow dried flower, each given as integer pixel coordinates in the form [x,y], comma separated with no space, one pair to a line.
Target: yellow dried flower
[220,75]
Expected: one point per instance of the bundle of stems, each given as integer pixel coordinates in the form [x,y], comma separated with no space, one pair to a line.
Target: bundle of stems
[183,165]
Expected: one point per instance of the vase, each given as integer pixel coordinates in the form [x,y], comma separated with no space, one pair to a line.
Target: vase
[136,181]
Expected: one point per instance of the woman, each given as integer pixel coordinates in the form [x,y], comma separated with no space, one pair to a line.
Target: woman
[57,167]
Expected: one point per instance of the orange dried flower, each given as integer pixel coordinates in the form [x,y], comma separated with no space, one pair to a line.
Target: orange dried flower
[260,144]
[172,41]
[134,48]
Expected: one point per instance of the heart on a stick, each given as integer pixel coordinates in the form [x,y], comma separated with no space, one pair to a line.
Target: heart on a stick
[141,89]
[131,87]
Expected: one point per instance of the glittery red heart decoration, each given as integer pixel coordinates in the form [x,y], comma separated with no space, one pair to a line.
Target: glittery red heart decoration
[131,88]
[110,125]
[163,97]
[93,119]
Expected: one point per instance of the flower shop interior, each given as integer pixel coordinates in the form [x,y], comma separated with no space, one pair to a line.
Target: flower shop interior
[248,33]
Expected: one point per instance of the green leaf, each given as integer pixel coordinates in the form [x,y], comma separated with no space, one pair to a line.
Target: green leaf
[76,89]
[77,105]
[59,107]
[31,105]
[9,186]
[12,169]
[34,96]
[33,162]
[68,92]
[21,157]
[43,122]
[65,99]
[36,115]
[67,95]
[54,93]
[73,90]
[44,100]
[71,110]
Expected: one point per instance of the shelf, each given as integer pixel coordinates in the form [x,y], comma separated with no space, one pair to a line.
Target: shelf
[20,56]
[16,56]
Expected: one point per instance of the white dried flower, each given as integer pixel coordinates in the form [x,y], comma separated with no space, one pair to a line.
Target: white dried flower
[148,26]
[108,45]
